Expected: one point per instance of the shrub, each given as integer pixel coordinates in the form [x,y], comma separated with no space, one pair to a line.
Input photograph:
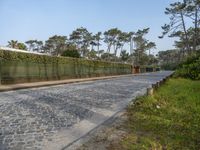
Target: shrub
[169,66]
[190,68]
[71,53]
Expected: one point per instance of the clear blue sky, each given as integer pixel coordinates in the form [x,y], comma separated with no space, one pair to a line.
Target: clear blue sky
[23,20]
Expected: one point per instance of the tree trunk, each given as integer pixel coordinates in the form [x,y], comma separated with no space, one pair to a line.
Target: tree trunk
[122,47]
[115,49]
[195,29]
[98,47]
[185,32]
[131,46]
[92,47]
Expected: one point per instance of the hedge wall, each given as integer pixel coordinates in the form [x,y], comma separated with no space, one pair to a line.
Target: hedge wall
[18,67]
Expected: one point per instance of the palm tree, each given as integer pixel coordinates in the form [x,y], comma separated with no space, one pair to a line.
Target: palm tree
[13,44]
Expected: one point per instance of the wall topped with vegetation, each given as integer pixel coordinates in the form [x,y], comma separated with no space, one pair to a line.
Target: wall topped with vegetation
[18,67]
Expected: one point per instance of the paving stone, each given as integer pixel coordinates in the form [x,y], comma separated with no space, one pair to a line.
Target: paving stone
[29,117]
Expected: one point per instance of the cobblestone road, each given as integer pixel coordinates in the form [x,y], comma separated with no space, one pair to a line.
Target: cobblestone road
[52,117]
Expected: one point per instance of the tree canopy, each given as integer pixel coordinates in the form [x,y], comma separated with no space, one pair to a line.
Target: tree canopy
[83,43]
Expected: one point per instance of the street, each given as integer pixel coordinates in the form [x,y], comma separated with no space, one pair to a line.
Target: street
[54,117]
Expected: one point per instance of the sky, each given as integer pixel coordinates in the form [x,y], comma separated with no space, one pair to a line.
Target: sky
[24,20]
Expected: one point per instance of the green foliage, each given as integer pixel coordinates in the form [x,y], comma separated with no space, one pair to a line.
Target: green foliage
[143,59]
[184,24]
[13,44]
[108,57]
[168,120]
[141,46]
[152,60]
[16,45]
[89,45]
[169,66]
[35,45]
[82,38]
[190,68]
[22,46]
[55,44]
[19,67]
[92,55]
[169,59]
[112,39]
[124,55]
[71,51]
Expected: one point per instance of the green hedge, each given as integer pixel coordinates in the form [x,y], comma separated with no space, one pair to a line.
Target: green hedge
[17,67]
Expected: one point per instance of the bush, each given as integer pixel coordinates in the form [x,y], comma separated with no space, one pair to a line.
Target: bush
[169,66]
[71,53]
[190,68]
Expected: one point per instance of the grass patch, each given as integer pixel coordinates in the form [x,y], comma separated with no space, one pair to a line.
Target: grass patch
[170,119]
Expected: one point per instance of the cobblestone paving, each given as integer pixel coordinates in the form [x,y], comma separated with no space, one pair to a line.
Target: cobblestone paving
[28,117]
